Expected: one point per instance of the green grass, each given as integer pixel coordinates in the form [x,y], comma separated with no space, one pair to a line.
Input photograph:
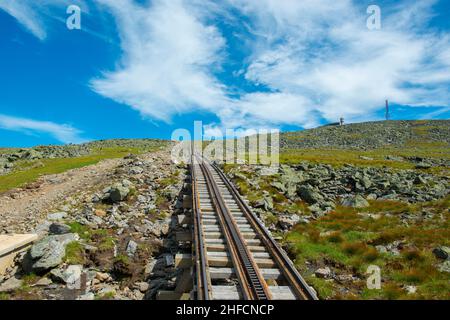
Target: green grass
[121,258]
[323,287]
[106,243]
[4,296]
[83,231]
[106,296]
[29,279]
[75,253]
[349,244]
[340,157]
[27,172]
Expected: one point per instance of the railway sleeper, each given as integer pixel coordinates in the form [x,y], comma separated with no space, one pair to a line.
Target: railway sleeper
[234,293]
[215,261]
[228,273]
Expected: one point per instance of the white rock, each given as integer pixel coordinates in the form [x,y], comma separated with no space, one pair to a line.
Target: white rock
[411,289]
[10,285]
[323,272]
[56,216]
[131,248]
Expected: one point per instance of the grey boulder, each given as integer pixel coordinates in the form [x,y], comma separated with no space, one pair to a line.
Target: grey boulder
[59,228]
[10,285]
[50,251]
[355,202]
[309,195]
[56,216]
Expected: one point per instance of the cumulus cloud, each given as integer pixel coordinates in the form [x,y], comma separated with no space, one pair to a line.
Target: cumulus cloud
[323,54]
[62,132]
[318,60]
[169,55]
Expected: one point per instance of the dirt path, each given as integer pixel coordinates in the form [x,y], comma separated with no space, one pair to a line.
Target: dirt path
[22,209]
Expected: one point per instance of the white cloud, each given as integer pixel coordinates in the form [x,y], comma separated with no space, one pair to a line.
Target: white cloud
[24,12]
[324,56]
[62,132]
[35,15]
[315,59]
[169,55]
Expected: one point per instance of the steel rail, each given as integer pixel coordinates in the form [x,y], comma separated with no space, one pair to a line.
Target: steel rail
[252,283]
[202,278]
[301,289]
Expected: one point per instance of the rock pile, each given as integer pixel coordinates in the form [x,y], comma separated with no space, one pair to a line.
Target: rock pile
[369,135]
[115,241]
[322,187]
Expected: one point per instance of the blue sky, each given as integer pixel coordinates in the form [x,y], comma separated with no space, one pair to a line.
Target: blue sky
[145,68]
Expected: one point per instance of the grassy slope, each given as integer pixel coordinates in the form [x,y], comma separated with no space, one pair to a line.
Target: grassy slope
[346,239]
[30,171]
[421,143]
[339,157]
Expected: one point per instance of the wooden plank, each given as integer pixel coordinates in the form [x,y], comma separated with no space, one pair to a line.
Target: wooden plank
[232,293]
[227,273]
[223,247]
[281,293]
[219,261]
[226,254]
[10,243]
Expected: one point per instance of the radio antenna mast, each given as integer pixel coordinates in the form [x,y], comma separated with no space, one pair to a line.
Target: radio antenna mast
[387,110]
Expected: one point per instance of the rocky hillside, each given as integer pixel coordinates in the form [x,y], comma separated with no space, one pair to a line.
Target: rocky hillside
[369,135]
[349,197]
[111,225]
[9,157]
[335,222]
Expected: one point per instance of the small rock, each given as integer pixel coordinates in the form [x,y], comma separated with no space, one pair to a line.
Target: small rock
[309,195]
[103,277]
[131,248]
[344,278]
[70,275]
[59,228]
[43,228]
[57,216]
[288,221]
[117,193]
[411,289]
[323,272]
[150,266]
[142,286]
[108,290]
[381,249]
[444,267]
[423,165]
[170,261]
[394,158]
[442,252]
[355,202]
[87,296]
[100,213]
[10,285]
[43,282]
